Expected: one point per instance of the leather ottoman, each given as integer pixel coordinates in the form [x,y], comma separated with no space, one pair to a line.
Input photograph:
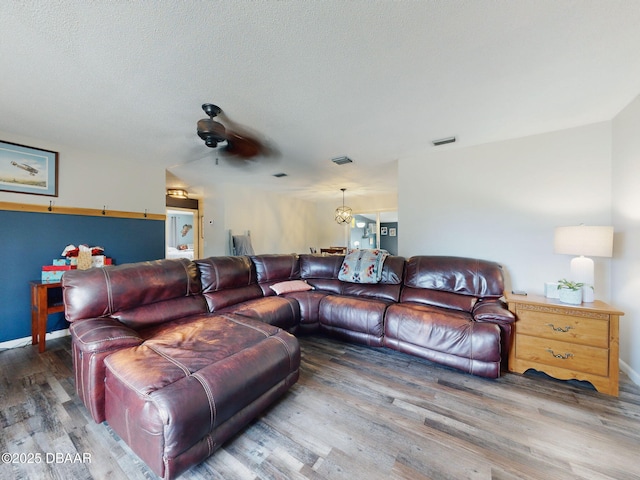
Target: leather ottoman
[177,397]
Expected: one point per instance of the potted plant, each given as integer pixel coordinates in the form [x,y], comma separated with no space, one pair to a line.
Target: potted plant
[570,292]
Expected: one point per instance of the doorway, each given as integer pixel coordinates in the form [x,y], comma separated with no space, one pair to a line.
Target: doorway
[182,237]
[375,230]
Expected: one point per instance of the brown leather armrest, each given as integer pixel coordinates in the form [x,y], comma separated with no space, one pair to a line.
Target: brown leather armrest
[103,334]
[492,311]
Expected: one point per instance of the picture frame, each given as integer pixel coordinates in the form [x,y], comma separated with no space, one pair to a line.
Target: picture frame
[25,169]
[383,230]
[392,232]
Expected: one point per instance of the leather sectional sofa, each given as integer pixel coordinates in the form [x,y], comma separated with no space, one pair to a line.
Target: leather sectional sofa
[178,355]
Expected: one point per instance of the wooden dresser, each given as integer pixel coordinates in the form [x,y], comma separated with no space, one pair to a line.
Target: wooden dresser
[566,341]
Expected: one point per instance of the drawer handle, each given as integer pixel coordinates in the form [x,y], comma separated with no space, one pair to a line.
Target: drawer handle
[559,329]
[559,355]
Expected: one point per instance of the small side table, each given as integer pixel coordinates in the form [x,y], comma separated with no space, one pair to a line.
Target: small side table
[46,298]
[566,341]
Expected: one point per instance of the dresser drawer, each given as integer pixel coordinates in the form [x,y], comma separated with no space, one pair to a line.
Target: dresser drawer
[570,356]
[590,329]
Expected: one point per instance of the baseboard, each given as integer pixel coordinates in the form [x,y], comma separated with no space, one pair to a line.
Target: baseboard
[633,375]
[22,342]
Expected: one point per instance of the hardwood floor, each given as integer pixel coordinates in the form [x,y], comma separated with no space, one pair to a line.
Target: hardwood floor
[356,413]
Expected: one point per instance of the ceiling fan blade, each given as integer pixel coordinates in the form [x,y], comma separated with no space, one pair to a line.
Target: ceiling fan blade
[243,146]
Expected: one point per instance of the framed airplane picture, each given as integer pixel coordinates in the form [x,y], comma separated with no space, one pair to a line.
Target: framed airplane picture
[28,170]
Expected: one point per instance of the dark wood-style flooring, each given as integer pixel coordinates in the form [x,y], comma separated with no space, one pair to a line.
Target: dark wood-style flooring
[356,413]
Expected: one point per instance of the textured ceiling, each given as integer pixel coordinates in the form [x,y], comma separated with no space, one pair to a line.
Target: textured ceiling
[374,80]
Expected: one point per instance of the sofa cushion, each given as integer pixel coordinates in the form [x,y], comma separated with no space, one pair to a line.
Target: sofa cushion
[362,265]
[227,281]
[444,336]
[451,282]
[281,312]
[151,314]
[465,276]
[271,269]
[309,303]
[389,286]
[321,271]
[439,329]
[439,298]
[351,318]
[137,294]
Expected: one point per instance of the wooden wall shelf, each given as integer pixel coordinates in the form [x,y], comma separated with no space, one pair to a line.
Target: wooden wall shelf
[92,212]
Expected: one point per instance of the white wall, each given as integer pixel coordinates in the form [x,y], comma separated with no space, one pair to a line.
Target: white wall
[502,201]
[89,179]
[214,238]
[278,223]
[626,215]
[331,233]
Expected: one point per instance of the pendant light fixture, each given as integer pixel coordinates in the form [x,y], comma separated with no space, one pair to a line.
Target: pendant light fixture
[343,214]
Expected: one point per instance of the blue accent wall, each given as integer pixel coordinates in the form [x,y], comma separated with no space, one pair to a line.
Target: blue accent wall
[30,240]
[387,242]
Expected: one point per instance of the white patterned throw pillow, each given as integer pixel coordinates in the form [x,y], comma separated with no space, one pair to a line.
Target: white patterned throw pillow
[363,266]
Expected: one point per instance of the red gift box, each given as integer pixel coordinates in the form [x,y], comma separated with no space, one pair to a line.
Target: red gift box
[55,268]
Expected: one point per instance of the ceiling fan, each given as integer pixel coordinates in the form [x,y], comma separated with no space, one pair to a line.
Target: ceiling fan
[237,143]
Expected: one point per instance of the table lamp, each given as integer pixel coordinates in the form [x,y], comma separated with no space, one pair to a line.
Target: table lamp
[584,241]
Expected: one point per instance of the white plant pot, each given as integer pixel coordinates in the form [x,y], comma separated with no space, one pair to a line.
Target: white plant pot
[573,297]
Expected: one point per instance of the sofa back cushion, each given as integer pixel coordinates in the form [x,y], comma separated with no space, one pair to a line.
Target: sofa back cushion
[137,294]
[272,269]
[227,281]
[321,271]
[451,282]
[389,286]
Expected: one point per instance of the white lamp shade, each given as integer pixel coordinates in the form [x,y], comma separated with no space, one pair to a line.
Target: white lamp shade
[584,240]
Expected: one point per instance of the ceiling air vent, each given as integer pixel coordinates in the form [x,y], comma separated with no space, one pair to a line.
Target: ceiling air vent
[443,141]
[341,160]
